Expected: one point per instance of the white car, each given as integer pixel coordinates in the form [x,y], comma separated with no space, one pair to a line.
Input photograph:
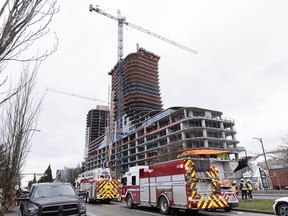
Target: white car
[280,206]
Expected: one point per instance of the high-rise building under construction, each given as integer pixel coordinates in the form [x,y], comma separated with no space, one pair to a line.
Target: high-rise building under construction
[140,90]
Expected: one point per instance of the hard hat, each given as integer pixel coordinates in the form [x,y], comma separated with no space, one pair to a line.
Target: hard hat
[234,181]
[242,179]
[248,180]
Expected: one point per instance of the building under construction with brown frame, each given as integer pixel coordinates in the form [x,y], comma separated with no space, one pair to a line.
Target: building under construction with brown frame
[137,86]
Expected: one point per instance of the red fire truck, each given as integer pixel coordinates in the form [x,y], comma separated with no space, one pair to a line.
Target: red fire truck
[190,184]
[98,185]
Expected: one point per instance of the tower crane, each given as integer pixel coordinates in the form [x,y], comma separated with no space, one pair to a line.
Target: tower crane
[122,20]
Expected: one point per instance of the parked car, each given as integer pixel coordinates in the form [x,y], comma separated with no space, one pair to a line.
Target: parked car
[52,199]
[231,198]
[280,206]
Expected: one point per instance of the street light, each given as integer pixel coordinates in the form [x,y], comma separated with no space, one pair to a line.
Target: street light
[267,170]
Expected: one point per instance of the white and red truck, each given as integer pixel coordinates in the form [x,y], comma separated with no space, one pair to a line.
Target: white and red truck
[98,185]
[190,184]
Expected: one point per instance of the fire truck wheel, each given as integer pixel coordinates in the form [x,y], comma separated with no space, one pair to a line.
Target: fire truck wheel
[129,201]
[87,200]
[164,206]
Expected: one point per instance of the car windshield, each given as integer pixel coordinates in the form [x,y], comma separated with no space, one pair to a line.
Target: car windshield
[106,177]
[53,191]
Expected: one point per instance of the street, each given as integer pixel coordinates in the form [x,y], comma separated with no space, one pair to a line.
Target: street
[120,209]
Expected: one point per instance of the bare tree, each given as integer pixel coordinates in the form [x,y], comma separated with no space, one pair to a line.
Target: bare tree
[279,156]
[19,121]
[22,23]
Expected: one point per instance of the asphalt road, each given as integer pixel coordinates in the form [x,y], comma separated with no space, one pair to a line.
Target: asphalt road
[120,209]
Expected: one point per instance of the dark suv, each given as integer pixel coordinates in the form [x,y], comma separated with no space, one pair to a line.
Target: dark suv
[52,199]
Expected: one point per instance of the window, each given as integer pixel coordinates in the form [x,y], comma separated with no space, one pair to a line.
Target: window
[132,151]
[202,166]
[133,180]
[140,149]
[124,181]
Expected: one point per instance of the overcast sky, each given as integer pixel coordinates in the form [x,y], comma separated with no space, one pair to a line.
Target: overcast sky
[241,68]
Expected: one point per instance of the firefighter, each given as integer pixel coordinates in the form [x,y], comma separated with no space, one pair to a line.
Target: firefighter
[235,187]
[250,188]
[243,188]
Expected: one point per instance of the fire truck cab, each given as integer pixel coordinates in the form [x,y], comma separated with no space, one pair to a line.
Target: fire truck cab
[190,184]
[98,185]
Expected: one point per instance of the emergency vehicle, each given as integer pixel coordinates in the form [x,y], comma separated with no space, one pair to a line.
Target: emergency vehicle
[190,184]
[231,198]
[98,185]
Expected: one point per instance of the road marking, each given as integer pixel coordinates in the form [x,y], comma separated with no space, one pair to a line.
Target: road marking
[90,214]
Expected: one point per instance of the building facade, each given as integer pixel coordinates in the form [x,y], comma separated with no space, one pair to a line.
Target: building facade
[96,125]
[181,129]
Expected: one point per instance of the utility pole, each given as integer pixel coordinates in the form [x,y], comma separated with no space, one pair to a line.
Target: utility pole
[264,154]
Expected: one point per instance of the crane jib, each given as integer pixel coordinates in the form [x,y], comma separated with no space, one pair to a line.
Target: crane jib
[121,21]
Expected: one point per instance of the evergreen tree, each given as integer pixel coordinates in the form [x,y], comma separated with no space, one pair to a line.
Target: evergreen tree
[47,177]
[34,179]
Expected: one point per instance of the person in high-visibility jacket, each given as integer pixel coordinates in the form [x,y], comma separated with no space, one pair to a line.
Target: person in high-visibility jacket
[243,188]
[235,187]
[250,188]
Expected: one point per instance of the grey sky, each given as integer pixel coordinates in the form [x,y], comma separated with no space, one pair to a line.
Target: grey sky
[241,67]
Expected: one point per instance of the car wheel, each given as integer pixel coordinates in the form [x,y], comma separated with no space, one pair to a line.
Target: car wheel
[283,209]
[164,206]
[129,201]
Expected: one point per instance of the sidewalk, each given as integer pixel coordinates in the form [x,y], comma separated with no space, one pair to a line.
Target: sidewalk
[14,212]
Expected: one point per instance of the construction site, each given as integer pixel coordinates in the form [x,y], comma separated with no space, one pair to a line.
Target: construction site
[140,132]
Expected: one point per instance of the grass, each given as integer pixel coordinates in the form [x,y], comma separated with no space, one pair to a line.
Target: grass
[257,204]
